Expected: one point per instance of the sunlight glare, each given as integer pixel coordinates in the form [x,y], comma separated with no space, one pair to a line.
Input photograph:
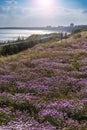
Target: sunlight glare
[45,3]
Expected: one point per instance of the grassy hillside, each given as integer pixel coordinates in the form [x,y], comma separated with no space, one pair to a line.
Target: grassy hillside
[45,87]
[10,48]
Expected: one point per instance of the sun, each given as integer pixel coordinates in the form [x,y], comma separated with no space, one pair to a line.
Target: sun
[45,3]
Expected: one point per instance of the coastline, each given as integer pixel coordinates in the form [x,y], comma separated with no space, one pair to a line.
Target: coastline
[14,34]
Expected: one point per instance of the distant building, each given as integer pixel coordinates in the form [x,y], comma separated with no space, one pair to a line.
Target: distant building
[49,27]
[72,25]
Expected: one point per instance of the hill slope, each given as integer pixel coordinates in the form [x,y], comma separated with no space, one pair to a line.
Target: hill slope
[45,87]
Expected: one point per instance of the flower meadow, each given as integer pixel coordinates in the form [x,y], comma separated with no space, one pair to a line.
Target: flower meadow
[45,87]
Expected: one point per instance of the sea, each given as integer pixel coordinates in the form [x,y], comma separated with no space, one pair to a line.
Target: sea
[13,34]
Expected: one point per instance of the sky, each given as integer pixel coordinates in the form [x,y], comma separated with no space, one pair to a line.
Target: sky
[38,13]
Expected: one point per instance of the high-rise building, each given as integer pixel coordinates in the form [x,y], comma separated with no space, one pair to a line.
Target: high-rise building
[72,25]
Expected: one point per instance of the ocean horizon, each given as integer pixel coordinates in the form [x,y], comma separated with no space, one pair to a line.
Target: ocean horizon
[13,34]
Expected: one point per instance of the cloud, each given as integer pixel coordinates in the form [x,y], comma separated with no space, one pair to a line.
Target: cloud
[17,15]
[8,7]
[84,12]
[11,2]
[4,9]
